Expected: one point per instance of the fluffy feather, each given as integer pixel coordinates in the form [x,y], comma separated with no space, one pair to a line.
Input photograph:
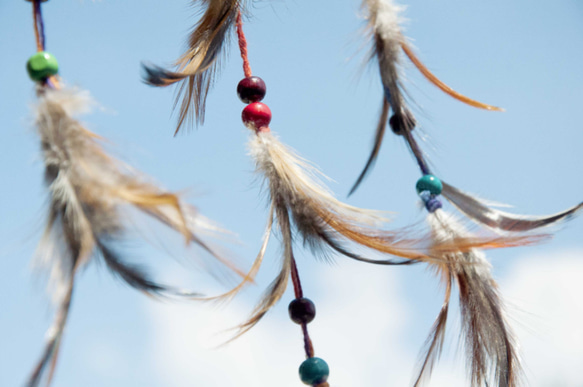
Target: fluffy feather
[197,66]
[491,353]
[88,189]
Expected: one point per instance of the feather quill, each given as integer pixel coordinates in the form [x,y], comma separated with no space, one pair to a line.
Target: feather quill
[88,190]
[197,67]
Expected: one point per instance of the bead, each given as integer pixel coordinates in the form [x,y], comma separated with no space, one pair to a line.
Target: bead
[314,371]
[401,122]
[302,310]
[251,89]
[256,115]
[429,183]
[433,205]
[41,66]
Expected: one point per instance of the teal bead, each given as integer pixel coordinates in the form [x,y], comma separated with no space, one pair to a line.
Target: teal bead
[42,65]
[314,370]
[429,183]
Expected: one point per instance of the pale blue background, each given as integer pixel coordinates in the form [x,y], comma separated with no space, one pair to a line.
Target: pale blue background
[522,55]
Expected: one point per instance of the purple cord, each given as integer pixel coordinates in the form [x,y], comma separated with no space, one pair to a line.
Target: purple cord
[41,24]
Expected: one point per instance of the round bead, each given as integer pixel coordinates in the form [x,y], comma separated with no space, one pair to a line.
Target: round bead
[41,66]
[251,89]
[256,115]
[429,183]
[401,122]
[302,310]
[433,205]
[314,370]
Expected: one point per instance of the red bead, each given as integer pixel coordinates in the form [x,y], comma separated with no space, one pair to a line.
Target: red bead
[256,115]
[251,89]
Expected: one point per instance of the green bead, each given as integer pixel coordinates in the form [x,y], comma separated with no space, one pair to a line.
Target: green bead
[41,66]
[429,183]
[314,370]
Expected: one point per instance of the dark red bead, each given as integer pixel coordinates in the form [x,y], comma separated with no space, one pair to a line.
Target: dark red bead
[256,115]
[251,89]
[302,310]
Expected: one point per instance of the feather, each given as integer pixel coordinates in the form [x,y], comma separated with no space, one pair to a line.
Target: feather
[323,222]
[384,26]
[88,190]
[197,67]
[480,212]
[384,23]
[300,203]
[277,288]
[488,340]
[378,140]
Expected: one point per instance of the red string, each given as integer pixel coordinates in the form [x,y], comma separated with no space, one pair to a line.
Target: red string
[243,45]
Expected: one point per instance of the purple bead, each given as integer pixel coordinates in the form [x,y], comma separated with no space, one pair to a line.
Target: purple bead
[302,310]
[433,205]
[251,89]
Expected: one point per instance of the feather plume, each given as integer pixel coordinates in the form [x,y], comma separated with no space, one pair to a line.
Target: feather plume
[384,26]
[480,212]
[88,190]
[197,67]
[301,205]
[489,343]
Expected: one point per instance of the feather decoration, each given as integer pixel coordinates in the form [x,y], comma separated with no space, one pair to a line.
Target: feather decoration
[480,212]
[197,67]
[88,190]
[490,348]
[384,24]
[302,205]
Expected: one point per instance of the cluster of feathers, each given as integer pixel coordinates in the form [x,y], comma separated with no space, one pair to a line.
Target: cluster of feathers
[90,194]
[89,187]
[301,205]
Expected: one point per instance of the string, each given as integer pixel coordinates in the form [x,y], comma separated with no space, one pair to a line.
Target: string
[243,45]
[298,292]
[308,346]
[39,34]
[39,28]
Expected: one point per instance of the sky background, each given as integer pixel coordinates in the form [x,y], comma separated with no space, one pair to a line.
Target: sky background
[372,321]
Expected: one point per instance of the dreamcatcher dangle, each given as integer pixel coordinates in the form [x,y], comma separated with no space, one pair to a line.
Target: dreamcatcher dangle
[89,191]
[300,205]
[490,346]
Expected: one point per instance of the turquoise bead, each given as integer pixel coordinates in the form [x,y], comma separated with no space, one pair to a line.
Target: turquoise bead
[314,370]
[42,65]
[429,183]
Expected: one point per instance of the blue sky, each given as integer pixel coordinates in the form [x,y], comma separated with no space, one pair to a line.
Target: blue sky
[521,55]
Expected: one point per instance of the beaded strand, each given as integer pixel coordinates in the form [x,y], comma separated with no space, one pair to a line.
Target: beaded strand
[251,90]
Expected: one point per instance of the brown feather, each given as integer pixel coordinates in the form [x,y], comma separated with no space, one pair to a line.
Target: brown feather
[88,189]
[490,348]
[197,67]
